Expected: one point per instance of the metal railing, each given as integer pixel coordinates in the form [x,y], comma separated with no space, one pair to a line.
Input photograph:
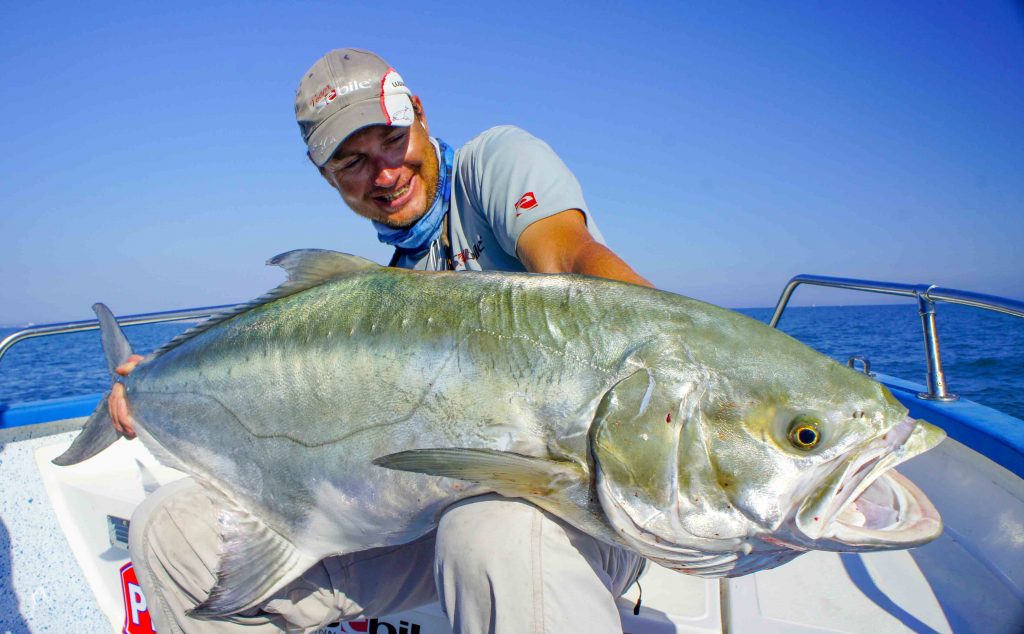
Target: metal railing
[60,328]
[926,295]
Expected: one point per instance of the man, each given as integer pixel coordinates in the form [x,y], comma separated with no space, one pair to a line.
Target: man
[503,202]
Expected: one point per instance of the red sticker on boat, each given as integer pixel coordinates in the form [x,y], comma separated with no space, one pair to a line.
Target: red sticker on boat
[528,201]
[136,612]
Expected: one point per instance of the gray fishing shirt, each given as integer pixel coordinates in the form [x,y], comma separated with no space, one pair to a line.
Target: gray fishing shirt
[502,181]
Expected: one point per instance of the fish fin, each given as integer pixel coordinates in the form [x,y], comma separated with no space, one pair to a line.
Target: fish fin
[255,561]
[315,266]
[306,268]
[512,474]
[97,434]
[115,344]
[150,483]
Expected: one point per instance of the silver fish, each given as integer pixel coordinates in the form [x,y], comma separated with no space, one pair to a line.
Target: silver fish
[691,434]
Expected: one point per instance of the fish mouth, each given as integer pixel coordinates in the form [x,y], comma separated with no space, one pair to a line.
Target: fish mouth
[866,505]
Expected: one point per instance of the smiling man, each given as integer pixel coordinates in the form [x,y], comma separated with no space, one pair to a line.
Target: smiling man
[504,201]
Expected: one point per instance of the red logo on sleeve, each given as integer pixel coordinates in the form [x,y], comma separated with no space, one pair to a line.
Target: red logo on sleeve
[528,201]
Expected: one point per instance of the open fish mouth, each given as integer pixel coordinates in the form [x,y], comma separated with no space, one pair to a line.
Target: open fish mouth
[866,505]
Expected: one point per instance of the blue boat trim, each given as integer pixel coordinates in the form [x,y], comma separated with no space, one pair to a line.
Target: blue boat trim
[19,414]
[997,436]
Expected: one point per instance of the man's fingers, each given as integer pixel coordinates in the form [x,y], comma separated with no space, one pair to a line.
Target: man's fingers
[113,405]
[116,402]
[118,407]
[129,365]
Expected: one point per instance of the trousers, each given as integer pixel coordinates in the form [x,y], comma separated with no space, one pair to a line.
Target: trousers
[495,564]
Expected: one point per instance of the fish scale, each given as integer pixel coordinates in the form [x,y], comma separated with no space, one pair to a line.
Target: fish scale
[347,408]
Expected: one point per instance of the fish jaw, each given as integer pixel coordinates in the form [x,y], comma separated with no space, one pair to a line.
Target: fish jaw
[630,521]
[680,550]
[866,505]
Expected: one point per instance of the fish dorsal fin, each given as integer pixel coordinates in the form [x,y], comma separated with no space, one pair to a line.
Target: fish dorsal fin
[255,561]
[310,267]
[306,268]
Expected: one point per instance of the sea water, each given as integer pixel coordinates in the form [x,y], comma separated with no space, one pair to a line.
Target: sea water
[982,352]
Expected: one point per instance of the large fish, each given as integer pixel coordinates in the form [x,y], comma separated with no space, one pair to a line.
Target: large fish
[693,435]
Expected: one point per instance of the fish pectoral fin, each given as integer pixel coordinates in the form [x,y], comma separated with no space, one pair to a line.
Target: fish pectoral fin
[512,474]
[255,561]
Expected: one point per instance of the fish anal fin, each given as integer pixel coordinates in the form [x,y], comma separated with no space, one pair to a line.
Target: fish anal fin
[511,474]
[255,561]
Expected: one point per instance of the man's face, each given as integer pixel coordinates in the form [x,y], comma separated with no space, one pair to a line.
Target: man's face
[388,174]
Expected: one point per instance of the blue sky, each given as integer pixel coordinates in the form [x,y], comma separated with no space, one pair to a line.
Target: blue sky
[151,159]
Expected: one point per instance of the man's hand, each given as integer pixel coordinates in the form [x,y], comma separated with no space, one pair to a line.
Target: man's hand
[562,244]
[116,402]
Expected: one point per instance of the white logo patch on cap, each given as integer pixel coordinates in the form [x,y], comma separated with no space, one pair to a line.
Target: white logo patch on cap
[394,98]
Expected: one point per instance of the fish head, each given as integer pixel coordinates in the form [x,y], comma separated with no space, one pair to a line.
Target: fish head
[817,473]
[737,473]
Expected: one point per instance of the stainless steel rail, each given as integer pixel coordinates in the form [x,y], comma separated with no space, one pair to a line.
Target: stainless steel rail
[927,295]
[60,328]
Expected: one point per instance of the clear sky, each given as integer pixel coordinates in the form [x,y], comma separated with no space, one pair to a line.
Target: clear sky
[151,159]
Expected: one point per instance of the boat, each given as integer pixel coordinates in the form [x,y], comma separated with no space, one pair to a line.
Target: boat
[65,564]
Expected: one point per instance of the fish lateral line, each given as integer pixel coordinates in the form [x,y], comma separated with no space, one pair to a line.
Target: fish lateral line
[275,436]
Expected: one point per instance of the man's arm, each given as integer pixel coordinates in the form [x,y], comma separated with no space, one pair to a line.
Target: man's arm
[562,244]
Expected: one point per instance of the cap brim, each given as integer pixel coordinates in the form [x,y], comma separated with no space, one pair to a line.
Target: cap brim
[330,134]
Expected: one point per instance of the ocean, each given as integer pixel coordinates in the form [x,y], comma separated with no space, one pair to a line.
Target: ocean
[982,352]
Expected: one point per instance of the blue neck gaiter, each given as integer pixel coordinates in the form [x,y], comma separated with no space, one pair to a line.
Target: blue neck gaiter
[428,228]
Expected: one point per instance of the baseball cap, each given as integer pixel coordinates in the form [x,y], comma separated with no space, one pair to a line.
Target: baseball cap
[345,91]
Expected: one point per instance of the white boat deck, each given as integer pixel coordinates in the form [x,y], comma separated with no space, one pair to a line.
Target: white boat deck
[970,580]
[43,589]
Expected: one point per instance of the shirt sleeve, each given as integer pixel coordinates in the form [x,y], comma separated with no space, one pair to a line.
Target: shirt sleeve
[514,179]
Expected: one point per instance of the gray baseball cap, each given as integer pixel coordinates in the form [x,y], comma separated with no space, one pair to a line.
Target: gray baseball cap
[345,91]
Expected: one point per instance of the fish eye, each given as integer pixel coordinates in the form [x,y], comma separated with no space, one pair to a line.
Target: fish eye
[803,433]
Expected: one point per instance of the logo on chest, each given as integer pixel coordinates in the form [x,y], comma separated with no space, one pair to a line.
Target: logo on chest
[459,259]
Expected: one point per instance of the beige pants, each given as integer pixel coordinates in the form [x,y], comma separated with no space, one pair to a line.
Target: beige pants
[495,564]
